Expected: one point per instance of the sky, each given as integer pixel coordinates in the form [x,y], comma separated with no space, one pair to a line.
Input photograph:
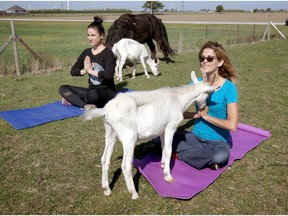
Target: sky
[137,5]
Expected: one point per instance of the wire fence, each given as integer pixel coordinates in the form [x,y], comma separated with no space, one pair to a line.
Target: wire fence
[189,39]
[60,44]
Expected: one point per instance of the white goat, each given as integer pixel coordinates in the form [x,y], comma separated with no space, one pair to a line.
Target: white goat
[144,115]
[129,49]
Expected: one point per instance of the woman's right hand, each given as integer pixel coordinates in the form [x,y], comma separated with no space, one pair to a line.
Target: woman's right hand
[87,64]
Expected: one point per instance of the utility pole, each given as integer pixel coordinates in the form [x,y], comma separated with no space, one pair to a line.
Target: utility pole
[68,5]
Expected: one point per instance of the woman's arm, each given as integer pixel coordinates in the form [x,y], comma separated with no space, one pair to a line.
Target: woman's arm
[231,123]
[110,64]
[78,67]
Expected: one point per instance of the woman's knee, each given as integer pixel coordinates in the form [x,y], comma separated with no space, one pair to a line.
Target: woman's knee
[221,156]
[63,89]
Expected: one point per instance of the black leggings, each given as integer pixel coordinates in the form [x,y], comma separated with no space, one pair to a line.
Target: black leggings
[80,96]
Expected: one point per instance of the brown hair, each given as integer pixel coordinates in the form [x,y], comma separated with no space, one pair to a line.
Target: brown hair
[226,70]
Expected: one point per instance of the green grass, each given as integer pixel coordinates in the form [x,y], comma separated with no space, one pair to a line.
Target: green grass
[55,168]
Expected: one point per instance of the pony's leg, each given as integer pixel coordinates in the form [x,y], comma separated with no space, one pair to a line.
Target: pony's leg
[145,69]
[167,151]
[152,49]
[110,139]
[128,151]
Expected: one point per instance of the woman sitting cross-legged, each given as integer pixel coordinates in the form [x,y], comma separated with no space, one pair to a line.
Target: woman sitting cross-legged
[99,64]
[209,143]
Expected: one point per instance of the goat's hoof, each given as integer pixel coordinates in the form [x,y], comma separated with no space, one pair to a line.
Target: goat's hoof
[169,179]
[107,192]
[133,77]
[148,77]
[134,196]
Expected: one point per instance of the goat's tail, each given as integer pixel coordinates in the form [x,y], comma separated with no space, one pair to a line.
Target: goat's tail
[93,113]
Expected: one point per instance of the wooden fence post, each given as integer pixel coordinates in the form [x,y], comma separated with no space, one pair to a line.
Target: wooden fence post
[14,38]
[278,30]
[16,55]
[180,42]
[237,37]
[267,32]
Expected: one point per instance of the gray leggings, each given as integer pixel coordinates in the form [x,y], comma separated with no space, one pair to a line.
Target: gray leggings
[200,153]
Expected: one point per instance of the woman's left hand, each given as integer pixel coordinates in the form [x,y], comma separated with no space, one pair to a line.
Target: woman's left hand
[87,65]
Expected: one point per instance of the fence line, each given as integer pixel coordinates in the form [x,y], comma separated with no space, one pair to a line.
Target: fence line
[181,39]
[165,22]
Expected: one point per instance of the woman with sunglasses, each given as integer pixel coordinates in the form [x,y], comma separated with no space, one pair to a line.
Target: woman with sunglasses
[209,143]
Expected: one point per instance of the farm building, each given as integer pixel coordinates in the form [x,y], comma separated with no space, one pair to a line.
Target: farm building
[16,10]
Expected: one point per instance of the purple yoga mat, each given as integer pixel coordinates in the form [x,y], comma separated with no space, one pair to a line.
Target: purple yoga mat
[190,181]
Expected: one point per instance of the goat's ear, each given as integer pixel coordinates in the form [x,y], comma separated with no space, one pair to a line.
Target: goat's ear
[193,77]
[203,75]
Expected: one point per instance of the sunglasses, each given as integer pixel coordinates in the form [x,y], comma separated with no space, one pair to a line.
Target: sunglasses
[208,58]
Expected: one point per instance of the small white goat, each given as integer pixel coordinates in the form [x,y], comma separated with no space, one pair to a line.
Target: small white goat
[144,115]
[129,49]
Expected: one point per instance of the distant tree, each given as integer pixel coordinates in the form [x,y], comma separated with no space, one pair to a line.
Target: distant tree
[153,6]
[219,8]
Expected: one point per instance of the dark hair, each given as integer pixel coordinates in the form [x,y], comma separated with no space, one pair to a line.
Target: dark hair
[97,24]
[226,70]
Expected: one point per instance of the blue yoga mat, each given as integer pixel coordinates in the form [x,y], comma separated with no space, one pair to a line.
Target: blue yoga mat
[31,117]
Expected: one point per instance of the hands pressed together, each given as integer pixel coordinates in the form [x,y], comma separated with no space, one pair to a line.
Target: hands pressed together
[88,67]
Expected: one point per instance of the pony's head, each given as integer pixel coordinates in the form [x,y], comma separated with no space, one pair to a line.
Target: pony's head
[123,27]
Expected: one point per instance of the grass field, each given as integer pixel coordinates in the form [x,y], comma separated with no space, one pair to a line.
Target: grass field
[55,168]
[59,42]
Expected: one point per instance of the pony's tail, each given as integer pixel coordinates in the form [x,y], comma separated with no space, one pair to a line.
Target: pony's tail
[93,113]
[168,48]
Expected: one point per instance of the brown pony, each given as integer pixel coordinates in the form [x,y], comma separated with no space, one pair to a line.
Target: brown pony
[142,28]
